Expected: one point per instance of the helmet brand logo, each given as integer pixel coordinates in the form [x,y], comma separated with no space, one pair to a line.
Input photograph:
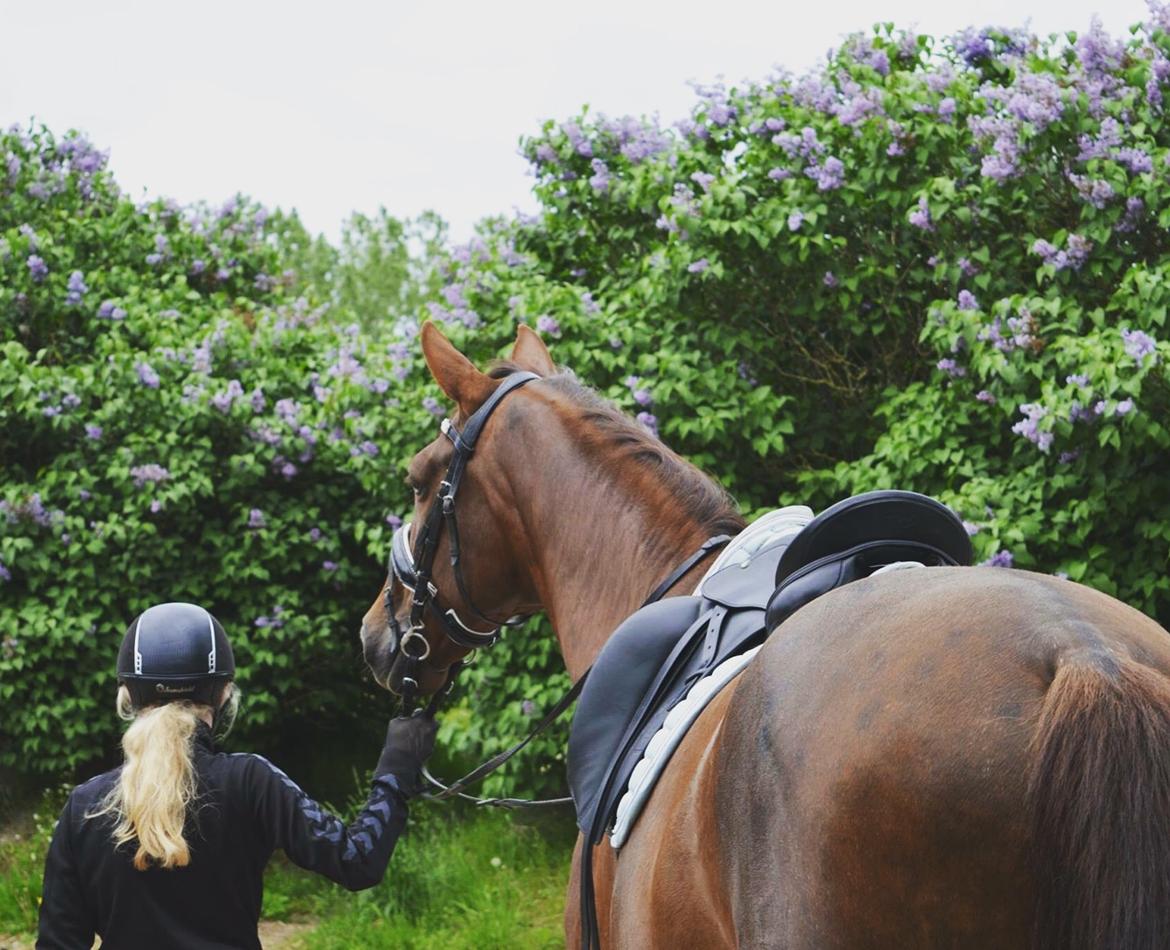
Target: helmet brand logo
[163,688]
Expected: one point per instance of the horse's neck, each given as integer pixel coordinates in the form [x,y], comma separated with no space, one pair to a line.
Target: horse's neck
[607,550]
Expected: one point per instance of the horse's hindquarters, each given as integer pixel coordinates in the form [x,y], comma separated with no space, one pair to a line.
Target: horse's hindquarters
[873,769]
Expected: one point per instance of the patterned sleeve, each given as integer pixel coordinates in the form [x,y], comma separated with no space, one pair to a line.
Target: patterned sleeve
[354,856]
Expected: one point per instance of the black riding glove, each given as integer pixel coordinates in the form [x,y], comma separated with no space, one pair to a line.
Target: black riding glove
[409,740]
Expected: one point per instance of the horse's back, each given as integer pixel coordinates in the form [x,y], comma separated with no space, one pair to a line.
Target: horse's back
[873,768]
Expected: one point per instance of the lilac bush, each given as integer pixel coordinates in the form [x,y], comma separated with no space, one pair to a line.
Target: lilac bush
[176,420]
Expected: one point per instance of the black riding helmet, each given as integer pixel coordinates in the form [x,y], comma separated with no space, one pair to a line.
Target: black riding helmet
[175,652]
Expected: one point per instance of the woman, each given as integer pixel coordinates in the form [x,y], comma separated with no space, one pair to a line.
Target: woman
[169,849]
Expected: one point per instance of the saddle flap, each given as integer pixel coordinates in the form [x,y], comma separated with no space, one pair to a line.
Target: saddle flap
[620,679]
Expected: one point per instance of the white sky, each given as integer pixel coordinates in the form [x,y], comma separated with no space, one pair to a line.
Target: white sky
[339,106]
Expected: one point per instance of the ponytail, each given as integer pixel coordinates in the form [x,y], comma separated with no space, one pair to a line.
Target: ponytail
[158,783]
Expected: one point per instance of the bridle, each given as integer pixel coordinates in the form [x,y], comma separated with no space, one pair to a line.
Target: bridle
[412,566]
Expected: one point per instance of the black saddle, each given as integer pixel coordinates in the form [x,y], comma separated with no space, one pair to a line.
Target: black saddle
[651,661]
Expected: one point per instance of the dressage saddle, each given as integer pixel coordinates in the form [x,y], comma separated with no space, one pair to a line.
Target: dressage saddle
[656,655]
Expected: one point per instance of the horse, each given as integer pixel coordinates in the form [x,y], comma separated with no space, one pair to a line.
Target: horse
[941,757]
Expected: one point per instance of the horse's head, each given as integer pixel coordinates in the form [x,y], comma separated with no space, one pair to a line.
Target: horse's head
[455,569]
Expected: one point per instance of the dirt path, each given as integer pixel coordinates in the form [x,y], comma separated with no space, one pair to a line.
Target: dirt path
[282,935]
[15,943]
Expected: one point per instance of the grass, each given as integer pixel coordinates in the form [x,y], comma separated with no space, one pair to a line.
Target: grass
[458,879]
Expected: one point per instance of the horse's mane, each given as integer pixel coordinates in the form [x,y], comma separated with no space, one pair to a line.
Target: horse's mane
[698,494]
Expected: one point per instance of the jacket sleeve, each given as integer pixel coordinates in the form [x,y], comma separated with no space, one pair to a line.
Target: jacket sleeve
[354,856]
[65,922]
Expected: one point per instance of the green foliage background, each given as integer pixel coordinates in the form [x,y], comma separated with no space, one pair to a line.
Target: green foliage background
[936,265]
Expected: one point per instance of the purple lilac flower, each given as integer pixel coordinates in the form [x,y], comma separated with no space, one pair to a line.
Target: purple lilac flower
[643,397]
[146,375]
[967,267]
[223,400]
[37,268]
[155,506]
[1135,159]
[1099,54]
[985,396]
[951,368]
[262,622]
[698,266]
[255,518]
[600,179]
[1029,426]
[93,432]
[967,300]
[920,216]
[650,421]
[288,470]
[1108,138]
[1124,408]
[547,324]
[368,448]
[1067,457]
[1134,209]
[1000,559]
[314,534]
[830,279]
[972,46]
[946,107]
[779,174]
[76,288]
[394,522]
[971,528]
[703,180]
[431,405]
[795,220]
[152,473]
[329,566]
[829,176]
[5,575]
[1138,345]
[1095,191]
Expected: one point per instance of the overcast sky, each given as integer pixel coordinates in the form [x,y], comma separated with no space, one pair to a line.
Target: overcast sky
[340,106]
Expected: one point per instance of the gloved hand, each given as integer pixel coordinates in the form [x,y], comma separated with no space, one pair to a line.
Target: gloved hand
[409,740]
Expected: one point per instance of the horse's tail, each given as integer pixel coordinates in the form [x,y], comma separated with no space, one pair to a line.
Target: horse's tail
[1099,799]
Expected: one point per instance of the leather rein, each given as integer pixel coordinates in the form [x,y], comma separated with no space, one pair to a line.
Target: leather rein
[412,565]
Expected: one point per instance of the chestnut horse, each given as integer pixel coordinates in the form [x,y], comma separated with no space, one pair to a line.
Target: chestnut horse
[947,757]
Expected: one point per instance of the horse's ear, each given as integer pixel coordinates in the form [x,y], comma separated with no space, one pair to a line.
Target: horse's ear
[454,372]
[530,353]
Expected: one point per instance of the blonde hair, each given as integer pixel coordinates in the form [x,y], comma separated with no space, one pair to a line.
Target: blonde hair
[152,796]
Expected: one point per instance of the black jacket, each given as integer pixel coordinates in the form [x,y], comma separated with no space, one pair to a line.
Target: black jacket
[246,809]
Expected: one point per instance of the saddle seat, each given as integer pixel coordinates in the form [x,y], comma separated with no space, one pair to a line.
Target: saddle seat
[781,562]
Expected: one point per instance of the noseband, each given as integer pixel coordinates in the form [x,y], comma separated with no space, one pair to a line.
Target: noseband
[412,565]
